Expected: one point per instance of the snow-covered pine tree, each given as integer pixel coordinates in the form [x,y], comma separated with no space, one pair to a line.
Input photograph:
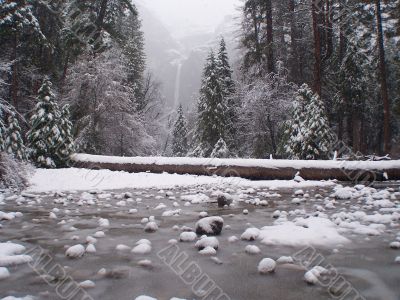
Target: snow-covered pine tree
[220,150]
[179,141]
[295,127]
[309,133]
[318,136]
[228,90]
[66,146]
[212,109]
[14,144]
[45,134]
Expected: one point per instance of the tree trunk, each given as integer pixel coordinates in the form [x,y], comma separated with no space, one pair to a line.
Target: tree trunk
[270,38]
[294,64]
[383,79]
[329,29]
[315,6]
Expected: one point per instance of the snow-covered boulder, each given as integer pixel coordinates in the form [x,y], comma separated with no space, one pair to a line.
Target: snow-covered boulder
[252,249]
[143,248]
[187,236]
[87,284]
[4,273]
[224,199]
[209,226]
[266,265]
[207,242]
[312,276]
[394,245]
[250,234]
[208,251]
[285,260]
[151,227]
[75,251]
[10,255]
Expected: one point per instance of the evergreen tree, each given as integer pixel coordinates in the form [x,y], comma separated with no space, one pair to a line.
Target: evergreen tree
[133,49]
[13,141]
[228,90]
[318,136]
[45,134]
[220,150]
[309,133]
[66,145]
[212,109]
[179,142]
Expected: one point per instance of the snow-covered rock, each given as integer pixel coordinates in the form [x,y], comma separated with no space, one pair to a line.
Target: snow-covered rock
[266,265]
[233,239]
[143,248]
[252,249]
[208,251]
[209,226]
[104,222]
[87,284]
[395,245]
[4,273]
[224,199]
[285,260]
[143,297]
[250,234]
[99,234]
[151,227]
[207,242]
[312,276]
[10,255]
[187,236]
[75,251]
[122,247]
[90,248]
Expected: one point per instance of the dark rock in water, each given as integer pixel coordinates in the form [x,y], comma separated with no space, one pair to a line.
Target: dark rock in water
[223,200]
[210,226]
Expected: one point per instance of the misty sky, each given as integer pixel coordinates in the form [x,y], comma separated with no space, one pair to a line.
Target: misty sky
[182,16]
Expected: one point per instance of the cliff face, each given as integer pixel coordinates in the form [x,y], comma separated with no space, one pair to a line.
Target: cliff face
[177,62]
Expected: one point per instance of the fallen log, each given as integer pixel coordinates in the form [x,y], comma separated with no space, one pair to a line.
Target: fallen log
[255,169]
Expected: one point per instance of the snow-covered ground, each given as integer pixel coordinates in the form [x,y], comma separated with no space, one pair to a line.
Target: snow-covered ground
[116,234]
[44,180]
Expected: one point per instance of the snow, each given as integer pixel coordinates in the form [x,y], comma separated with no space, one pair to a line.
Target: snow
[85,179]
[10,255]
[266,265]
[313,231]
[75,251]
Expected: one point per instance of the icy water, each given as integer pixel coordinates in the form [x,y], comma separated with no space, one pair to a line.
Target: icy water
[367,264]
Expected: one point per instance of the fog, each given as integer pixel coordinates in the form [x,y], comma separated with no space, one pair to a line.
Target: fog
[186,17]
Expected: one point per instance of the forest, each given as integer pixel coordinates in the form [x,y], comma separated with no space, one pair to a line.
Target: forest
[315,80]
